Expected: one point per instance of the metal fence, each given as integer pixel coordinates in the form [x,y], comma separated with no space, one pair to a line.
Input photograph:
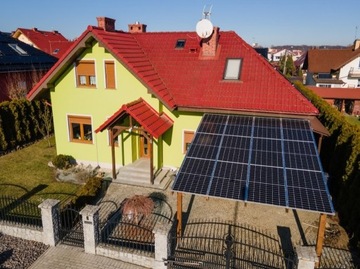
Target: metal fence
[217,244]
[119,230]
[20,212]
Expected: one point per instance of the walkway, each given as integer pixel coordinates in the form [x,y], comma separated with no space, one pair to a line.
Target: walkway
[67,257]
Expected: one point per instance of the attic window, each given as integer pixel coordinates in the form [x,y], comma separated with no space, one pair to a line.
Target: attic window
[180,44]
[232,69]
[18,49]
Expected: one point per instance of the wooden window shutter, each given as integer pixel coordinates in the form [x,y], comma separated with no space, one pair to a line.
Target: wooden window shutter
[86,68]
[110,74]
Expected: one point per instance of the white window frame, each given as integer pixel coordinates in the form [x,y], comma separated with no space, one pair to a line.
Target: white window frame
[232,69]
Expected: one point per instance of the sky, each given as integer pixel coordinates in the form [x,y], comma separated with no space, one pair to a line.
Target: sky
[265,22]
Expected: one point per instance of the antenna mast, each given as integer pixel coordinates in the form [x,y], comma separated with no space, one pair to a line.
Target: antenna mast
[207,14]
[356,31]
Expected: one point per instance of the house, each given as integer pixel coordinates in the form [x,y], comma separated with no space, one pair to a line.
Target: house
[51,42]
[123,96]
[346,100]
[21,66]
[339,69]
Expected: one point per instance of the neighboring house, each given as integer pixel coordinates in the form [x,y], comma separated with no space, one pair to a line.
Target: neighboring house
[335,68]
[121,96]
[51,42]
[344,99]
[21,66]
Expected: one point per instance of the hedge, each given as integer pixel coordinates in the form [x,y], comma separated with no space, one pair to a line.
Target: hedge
[340,155]
[21,122]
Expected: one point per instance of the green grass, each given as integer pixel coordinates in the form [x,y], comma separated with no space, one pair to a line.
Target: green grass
[25,173]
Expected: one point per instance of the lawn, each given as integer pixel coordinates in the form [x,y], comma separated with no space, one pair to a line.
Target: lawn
[25,173]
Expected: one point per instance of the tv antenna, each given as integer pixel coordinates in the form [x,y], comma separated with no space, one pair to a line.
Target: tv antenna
[356,31]
[204,27]
[207,14]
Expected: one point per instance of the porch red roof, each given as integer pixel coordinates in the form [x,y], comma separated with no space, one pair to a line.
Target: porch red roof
[154,123]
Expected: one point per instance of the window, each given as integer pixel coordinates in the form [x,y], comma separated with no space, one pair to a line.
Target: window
[85,72]
[232,69]
[180,44]
[17,48]
[110,74]
[188,137]
[80,129]
[325,85]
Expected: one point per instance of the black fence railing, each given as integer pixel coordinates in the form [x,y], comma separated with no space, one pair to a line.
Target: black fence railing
[129,235]
[20,212]
[217,244]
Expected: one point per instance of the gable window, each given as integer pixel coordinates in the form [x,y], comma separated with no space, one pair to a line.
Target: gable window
[18,49]
[85,73]
[110,74]
[188,137]
[80,129]
[232,69]
[180,44]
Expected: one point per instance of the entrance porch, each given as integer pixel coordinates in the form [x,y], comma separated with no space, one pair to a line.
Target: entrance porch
[138,174]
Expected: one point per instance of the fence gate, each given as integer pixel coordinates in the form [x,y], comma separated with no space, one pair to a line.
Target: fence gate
[207,244]
[70,227]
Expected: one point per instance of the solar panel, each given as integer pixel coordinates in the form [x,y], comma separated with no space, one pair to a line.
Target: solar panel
[256,159]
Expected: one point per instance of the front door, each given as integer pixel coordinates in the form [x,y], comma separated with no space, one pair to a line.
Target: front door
[144,147]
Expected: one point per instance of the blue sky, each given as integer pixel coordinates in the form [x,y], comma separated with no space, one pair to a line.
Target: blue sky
[266,22]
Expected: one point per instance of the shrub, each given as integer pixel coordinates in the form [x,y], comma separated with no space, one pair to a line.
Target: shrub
[63,161]
[88,192]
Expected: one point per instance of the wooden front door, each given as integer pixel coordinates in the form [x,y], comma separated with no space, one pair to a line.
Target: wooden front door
[144,147]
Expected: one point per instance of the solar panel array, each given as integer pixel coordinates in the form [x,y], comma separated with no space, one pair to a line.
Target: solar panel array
[256,159]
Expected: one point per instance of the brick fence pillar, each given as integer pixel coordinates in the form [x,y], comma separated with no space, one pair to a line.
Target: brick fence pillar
[306,257]
[90,221]
[162,244]
[50,221]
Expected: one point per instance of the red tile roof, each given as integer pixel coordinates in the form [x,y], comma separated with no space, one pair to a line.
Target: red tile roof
[154,123]
[180,79]
[337,93]
[325,60]
[51,42]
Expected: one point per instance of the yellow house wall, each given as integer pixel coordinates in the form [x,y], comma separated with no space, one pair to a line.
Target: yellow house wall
[100,103]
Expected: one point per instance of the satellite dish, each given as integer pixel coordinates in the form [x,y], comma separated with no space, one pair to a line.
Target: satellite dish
[204,28]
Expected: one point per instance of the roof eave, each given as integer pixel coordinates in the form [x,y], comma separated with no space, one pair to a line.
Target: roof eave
[65,61]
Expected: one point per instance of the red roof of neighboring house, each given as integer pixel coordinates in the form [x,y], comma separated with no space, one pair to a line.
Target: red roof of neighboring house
[325,60]
[337,93]
[51,42]
[182,79]
[154,123]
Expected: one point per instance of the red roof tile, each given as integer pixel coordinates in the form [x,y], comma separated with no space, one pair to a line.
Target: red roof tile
[154,123]
[337,93]
[325,60]
[180,79]
[51,42]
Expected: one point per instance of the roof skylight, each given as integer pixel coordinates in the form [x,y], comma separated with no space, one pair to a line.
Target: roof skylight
[18,49]
[180,44]
[232,69]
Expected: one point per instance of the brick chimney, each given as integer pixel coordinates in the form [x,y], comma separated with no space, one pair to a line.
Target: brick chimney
[356,44]
[209,45]
[105,23]
[137,27]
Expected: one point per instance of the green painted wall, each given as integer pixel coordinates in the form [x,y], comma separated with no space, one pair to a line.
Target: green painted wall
[100,103]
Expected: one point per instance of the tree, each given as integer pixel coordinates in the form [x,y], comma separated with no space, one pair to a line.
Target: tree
[18,84]
[46,124]
[287,67]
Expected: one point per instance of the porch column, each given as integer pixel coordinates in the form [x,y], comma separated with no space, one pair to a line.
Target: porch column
[320,142]
[320,238]
[151,159]
[179,215]
[112,142]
